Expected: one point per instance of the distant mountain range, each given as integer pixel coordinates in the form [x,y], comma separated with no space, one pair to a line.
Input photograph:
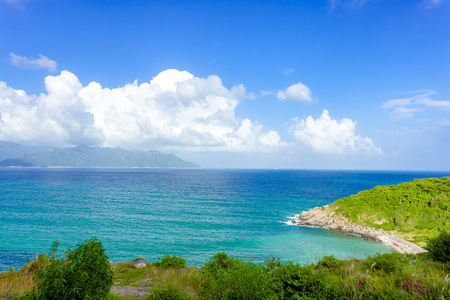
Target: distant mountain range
[16,155]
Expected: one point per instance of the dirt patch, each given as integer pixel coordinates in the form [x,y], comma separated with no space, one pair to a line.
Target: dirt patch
[139,289]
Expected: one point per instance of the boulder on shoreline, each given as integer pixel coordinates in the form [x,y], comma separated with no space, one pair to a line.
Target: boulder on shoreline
[139,263]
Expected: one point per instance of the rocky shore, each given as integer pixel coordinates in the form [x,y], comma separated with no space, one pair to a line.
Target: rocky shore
[324,218]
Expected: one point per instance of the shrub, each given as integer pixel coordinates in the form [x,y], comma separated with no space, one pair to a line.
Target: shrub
[171,262]
[85,272]
[225,277]
[220,260]
[272,262]
[387,263]
[439,247]
[329,262]
[293,281]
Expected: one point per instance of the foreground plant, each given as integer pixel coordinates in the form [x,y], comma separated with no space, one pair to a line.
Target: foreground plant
[84,273]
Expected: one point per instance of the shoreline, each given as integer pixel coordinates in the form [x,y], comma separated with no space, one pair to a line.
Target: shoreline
[322,218]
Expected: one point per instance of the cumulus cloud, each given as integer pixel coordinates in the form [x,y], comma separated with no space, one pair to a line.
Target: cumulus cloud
[325,135]
[43,62]
[298,92]
[419,101]
[174,111]
[59,116]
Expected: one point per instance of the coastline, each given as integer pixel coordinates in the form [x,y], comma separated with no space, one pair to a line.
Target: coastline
[322,217]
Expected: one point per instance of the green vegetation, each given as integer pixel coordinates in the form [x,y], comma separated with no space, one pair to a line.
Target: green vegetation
[229,278]
[421,206]
[415,210]
[439,247]
[84,273]
[129,276]
[171,262]
[383,276]
[168,292]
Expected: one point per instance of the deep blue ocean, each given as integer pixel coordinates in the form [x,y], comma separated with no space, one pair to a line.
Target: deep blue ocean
[193,213]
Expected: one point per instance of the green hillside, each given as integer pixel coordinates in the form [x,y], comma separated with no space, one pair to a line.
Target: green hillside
[415,210]
[14,155]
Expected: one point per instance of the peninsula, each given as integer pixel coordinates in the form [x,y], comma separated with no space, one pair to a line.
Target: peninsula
[82,156]
[401,216]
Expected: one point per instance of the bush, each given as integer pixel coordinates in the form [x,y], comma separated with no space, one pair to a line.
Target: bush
[439,247]
[296,282]
[229,278]
[329,262]
[387,263]
[220,261]
[85,273]
[171,262]
[272,262]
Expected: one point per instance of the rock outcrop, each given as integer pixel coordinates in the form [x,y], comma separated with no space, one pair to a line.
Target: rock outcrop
[139,263]
[324,218]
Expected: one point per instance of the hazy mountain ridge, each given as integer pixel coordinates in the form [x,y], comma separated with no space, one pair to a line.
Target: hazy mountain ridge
[12,154]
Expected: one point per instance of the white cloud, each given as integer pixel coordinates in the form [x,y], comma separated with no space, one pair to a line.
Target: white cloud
[15,2]
[298,91]
[325,135]
[288,71]
[174,111]
[332,4]
[43,62]
[61,116]
[428,4]
[405,108]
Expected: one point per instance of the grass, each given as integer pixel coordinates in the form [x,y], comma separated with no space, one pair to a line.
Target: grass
[383,276]
[16,283]
[129,277]
[413,210]
[162,277]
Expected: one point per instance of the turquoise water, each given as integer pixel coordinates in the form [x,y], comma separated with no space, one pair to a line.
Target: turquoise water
[193,213]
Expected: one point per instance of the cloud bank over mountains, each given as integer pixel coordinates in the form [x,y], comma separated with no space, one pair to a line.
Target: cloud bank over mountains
[174,111]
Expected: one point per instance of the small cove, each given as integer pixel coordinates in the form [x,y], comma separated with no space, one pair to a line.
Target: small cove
[193,213]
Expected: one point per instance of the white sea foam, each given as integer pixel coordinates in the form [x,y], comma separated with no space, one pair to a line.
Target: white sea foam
[287,222]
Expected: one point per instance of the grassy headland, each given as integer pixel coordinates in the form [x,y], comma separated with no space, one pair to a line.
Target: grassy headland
[413,210]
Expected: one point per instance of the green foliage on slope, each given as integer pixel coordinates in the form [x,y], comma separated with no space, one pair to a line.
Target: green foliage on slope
[416,209]
[84,273]
[171,262]
[439,247]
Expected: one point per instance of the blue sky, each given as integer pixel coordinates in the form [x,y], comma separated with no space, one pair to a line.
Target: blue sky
[336,84]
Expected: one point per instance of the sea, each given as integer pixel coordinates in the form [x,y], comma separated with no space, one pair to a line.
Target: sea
[193,213]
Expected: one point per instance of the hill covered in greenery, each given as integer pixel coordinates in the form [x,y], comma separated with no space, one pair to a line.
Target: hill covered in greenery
[12,154]
[414,210]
